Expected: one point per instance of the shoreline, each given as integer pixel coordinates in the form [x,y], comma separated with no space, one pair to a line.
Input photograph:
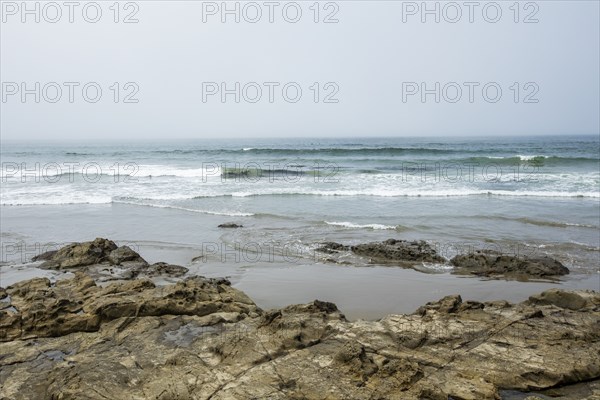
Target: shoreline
[362,292]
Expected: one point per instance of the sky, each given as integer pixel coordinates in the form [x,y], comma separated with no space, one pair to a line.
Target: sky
[187,69]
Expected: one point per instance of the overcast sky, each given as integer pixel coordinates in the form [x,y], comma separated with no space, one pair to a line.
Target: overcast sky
[374,61]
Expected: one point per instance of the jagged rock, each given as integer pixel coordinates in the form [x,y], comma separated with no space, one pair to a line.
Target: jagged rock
[79,254]
[230,225]
[104,261]
[78,305]
[124,254]
[448,304]
[493,263]
[200,338]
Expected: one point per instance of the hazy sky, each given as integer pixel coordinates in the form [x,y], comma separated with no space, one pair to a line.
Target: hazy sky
[375,61]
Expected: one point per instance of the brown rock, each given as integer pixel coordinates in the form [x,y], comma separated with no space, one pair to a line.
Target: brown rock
[164,269]
[80,254]
[564,299]
[78,305]
[200,338]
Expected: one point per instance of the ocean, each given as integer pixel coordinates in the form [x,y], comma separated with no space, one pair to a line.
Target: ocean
[525,195]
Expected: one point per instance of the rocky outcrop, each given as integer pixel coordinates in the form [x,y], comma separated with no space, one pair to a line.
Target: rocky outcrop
[391,251]
[202,339]
[78,254]
[105,261]
[412,254]
[79,305]
[493,263]
[567,300]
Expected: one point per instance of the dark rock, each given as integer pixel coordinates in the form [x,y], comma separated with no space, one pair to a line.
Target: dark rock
[230,225]
[332,247]
[325,306]
[492,263]
[122,254]
[48,255]
[398,251]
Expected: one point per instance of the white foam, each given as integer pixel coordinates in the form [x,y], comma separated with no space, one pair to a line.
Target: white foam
[47,201]
[529,158]
[519,156]
[368,226]
[40,197]
[226,213]
[209,170]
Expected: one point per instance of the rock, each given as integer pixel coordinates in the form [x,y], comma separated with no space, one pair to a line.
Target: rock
[122,254]
[332,247]
[391,251]
[325,306]
[201,338]
[78,305]
[398,251]
[471,305]
[568,300]
[448,304]
[104,261]
[80,254]
[493,263]
[230,225]
[45,256]
[164,269]
[412,254]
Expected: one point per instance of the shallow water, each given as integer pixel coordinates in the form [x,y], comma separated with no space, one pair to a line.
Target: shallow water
[260,266]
